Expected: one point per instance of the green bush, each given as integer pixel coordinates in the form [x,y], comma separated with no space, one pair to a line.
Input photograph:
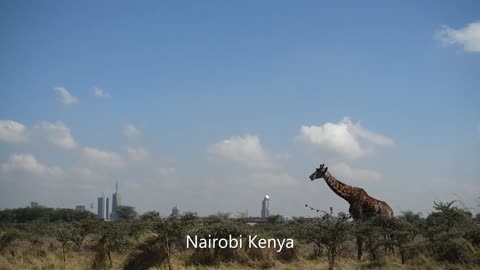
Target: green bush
[8,236]
[456,250]
[451,232]
[151,253]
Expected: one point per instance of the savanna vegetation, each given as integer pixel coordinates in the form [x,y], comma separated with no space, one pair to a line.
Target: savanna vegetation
[43,238]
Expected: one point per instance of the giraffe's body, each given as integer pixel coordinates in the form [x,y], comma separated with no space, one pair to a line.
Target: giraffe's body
[362,206]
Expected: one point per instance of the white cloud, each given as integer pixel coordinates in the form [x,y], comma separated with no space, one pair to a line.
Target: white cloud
[468,37]
[246,150]
[344,138]
[370,136]
[29,164]
[129,130]
[65,96]
[344,171]
[57,134]
[12,132]
[138,153]
[98,92]
[103,158]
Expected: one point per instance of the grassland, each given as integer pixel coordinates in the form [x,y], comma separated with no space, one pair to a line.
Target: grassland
[49,256]
[448,238]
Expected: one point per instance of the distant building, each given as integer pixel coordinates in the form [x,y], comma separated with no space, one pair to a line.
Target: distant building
[116,202]
[80,208]
[101,208]
[107,209]
[175,211]
[34,204]
[265,207]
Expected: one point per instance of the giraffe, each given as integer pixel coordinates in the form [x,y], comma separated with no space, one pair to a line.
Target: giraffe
[362,206]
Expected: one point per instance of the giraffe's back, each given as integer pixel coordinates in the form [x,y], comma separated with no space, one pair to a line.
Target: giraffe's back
[382,208]
[370,207]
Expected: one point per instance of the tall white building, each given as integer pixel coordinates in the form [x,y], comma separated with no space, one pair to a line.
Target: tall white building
[265,206]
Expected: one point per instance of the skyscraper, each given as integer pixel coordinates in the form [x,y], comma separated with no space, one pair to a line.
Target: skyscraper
[265,206]
[107,212]
[116,202]
[101,208]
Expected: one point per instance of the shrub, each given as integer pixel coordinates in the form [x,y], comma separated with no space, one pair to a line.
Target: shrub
[7,237]
[449,229]
[111,237]
[218,228]
[168,234]
[151,253]
[330,232]
[456,250]
[63,235]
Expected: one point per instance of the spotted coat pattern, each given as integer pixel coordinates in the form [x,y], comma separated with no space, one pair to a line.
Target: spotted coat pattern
[362,206]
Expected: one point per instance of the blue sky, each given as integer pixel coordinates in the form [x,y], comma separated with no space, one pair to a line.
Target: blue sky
[217,94]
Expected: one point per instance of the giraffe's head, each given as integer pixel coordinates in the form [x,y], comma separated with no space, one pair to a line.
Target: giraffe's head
[319,172]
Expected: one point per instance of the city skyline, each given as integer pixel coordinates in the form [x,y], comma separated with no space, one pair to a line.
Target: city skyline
[102,211]
[212,106]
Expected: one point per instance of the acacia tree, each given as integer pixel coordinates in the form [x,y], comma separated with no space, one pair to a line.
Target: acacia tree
[448,230]
[37,231]
[126,212]
[81,229]
[221,228]
[168,233]
[309,232]
[331,232]
[63,235]
[283,231]
[376,232]
[336,231]
[112,237]
[407,228]
[150,216]
[7,237]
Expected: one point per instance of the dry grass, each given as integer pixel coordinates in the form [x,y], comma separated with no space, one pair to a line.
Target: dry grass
[49,257]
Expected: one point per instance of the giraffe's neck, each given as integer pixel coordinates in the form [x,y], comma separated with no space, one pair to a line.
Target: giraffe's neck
[341,189]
